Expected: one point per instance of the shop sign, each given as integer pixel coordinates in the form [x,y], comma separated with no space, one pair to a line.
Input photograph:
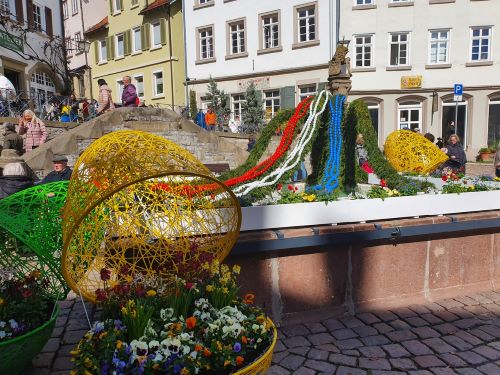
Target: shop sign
[11,42]
[411,82]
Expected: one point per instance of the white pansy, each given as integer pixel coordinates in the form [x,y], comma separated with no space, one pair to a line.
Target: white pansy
[166,314]
[2,334]
[2,324]
[154,344]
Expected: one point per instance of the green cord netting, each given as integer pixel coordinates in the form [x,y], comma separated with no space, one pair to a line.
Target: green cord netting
[31,234]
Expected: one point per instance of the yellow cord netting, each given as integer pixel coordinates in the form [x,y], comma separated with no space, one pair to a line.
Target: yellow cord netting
[139,202]
[407,151]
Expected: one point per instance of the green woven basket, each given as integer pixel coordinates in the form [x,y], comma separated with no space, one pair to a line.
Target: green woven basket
[17,354]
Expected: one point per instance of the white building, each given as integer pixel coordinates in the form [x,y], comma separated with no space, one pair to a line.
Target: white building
[406,56]
[43,18]
[80,15]
[283,46]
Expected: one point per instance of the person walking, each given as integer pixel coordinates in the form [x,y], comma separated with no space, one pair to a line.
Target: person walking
[105,99]
[210,119]
[129,94]
[200,119]
[12,140]
[34,128]
[61,170]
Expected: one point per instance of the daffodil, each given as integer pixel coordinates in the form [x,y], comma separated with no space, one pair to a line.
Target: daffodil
[209,288]
[151,293]
[236,269]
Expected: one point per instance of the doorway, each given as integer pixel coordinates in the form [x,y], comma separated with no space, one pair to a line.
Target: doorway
[14,77]
[448,126]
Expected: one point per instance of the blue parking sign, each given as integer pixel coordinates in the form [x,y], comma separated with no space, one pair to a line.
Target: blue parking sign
[458,89]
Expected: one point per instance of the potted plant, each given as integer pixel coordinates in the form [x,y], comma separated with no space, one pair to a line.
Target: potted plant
[27,317]
[183,327]
[486,153]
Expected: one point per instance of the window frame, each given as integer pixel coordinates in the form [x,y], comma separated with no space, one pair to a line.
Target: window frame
[74,7]
[40,16]
[134,30]
[78,37]
[296,37]
[411,107]
[199,54]
[262,47]
[239,103]
[471,38]
[155,93]
[132,5]
[116,45]
[119,88]
[408,48]
[372,53]
[303,86]
[229,38]
[365,2]
[65,9]
[273,105]
[100,49]
[439,40]
[116,10]
[134,77]
[152,32]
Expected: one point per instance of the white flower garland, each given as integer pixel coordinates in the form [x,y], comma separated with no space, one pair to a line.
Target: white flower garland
[293,158]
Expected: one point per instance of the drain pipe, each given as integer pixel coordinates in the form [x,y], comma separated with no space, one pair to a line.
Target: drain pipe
[337,24]
[185,55]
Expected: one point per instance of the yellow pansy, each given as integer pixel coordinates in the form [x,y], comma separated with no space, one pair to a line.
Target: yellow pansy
[151,293]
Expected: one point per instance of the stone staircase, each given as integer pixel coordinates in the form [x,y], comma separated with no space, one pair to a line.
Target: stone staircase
[208,147]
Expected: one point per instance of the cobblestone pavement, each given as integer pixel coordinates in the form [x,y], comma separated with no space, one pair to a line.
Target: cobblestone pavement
[454,336]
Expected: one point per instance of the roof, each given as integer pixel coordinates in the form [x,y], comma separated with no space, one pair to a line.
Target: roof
[154,5]
[98,26]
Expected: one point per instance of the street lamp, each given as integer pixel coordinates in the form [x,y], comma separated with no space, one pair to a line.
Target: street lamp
[83,46]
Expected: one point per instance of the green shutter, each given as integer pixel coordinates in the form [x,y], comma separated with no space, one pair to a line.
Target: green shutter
[110,47]
[145,40]
[127,42]
[96,51]
[258,94]
[287,97]
[163,31]
[321,86]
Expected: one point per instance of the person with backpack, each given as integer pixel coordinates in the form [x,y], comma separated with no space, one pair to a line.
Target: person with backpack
[105,100]
[129,94]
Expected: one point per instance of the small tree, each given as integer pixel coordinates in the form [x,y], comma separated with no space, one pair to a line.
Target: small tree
[219,101]
[253,112]
[193,108]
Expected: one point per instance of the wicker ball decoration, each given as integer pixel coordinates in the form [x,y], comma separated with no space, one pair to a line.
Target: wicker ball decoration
[31,234]
[138,204]
[407,151]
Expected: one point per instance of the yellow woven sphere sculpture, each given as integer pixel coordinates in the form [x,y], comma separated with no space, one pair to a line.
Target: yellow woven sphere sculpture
[407,151]
[138,204]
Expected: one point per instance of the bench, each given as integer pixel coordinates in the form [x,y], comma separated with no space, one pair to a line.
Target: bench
[218,168]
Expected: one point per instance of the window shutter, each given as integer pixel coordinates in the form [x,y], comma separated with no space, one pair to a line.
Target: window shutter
[127,42]
[321,86]
[96,51]
[110,47]
[111,10]
[145,40]
[29,10]
[19,11]
[163,31]
[287,96]
[48,22]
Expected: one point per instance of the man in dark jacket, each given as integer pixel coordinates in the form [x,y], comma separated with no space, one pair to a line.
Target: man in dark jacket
[12,140]
[129,94]
[61,170]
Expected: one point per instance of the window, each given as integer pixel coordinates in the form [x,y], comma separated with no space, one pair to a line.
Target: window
[158,83]
[363,50]
[65,9]
[305,91]
[237,37]
[399,49]
[117,6]
[42,88]
[4,6]
[206,45]
[120,45]
[155,35]
[401,1]
[37,18]
[237,105]
[69,47]
[78,37]
[74,6]
[480,44]
[136,40]
[364,2]
[271,103]
[270,31]
[374,110]
[119,86]
[103,53]
[306,23]
[139,85]
[439,46]
[448,113]
[410,115]
[134,3]
[494,122]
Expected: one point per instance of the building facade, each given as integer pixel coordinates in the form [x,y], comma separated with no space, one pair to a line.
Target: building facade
[407,55]
[79,15]
[40,22]
[144,40]
[282,46]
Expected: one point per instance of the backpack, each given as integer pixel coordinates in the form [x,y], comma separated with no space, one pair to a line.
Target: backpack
[137,101]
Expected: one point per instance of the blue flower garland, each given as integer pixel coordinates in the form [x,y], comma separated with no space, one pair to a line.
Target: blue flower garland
[331,174]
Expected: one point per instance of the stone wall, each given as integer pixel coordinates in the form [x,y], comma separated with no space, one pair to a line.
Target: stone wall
[370,275]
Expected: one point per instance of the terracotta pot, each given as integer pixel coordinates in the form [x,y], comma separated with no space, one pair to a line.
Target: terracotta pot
[486,156]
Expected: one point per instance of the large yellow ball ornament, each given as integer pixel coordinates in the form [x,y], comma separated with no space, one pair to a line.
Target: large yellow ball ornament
[141,205]
[407,151]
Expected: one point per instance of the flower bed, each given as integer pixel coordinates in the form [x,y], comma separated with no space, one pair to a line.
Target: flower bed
[184,328]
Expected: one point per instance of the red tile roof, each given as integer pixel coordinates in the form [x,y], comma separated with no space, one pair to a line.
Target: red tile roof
[154,5]
[99,26]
